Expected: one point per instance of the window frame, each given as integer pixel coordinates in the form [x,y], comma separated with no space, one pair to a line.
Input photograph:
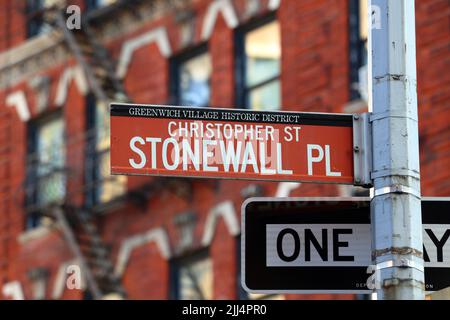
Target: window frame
[32,177]
[175,64]
[177,263]
[240,65]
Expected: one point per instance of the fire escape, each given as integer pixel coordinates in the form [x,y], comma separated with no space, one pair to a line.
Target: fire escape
[79,223]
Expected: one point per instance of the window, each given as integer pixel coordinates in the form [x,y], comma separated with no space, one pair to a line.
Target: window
[104,186]
[192,277]
[51,159]
[94,4]
[358,49]
[259,65]
[191,73]
[35,21]
[47,175]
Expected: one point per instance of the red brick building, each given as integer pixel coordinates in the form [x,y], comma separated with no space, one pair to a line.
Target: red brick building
[154,238]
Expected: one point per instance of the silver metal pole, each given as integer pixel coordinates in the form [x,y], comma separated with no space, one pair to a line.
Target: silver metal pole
[396,206]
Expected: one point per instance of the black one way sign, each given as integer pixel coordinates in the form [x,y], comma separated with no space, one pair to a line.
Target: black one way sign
[323,245]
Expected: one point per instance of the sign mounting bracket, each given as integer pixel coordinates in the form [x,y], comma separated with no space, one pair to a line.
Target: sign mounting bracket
[362,150]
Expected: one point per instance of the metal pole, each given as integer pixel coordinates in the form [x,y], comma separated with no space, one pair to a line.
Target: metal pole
[396,206]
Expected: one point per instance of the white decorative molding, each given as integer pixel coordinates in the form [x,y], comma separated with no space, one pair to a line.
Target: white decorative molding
[61,277]
[13,290]
[41,231]
[187,33]
[124,22]
[31,57]
[284,188]
[157,235]
[19,101]
[273,4]
[27,49]
[72,73]
[251,8]
[158,35]
[355,106]
[41,88]
[228,12]
[226,210]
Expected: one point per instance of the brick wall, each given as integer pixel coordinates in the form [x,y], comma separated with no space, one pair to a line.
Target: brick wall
[433,65]
[12,24]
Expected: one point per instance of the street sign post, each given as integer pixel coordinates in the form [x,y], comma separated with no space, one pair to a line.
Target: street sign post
[396,217]
[231,143]
[323,245]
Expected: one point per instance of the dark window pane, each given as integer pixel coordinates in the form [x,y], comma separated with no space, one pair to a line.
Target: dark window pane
[35,23]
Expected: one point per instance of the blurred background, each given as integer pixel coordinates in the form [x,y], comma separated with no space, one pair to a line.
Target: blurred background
[63,215]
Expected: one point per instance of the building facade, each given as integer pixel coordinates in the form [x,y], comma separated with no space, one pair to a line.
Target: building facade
[161,238]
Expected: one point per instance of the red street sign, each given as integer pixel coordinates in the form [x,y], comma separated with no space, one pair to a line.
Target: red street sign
[231,143]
